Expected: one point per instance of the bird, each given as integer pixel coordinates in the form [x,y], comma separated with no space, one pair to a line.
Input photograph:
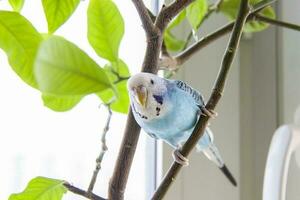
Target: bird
[169,110]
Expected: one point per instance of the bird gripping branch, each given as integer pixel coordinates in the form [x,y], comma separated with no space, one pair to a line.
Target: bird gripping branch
[169,110]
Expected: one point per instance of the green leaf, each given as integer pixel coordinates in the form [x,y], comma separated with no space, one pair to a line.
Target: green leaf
[60,103]
[105,28]
[230,9]
[61,68]
[41,188]
[115,69]
[17,5]
[20,41]
[255,26]
[195,13]
[178,19]
[121,102]
[58,12]
[173,43]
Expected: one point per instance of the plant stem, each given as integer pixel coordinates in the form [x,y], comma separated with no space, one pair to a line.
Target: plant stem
[186,54]
[167,13]
[212,102]
[83,193]
[102,152]
[203,42]
[213,8]
[277,22]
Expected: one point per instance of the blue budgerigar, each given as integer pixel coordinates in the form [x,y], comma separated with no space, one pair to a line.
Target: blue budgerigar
[168,110]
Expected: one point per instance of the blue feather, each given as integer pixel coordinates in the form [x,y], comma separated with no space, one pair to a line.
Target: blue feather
[158,99]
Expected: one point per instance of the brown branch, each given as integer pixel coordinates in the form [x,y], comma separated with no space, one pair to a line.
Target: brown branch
[164,51]
[213,8]
[185,55]
[103,150]
[144,16]
[152,16]
[123,163]
[212,102]
[167,13]
[132,131]
[83,193]
[277,22]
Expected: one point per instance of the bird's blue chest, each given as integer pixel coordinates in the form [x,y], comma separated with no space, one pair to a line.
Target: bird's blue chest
[181,115]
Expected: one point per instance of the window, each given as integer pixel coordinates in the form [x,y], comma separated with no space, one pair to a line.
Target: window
[35,141]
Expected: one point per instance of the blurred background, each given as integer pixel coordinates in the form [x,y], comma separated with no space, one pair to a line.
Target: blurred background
[262,93]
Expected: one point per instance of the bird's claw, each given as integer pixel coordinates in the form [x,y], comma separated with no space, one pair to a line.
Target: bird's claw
[179,158]
[210,113]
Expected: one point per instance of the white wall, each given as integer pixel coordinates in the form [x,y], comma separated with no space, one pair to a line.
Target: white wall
[262,93]
[289,76]
[258,109]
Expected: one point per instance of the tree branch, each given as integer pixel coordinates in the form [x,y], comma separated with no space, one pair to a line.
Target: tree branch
[167,13]
[103,150]
[212,102]
[132,131]
[185,55]
[213,8]
[152,16]
[123,163]
[145,17]
[277,22]
[164,51]
[83,193]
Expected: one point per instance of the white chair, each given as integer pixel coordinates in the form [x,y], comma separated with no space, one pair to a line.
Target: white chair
[285,141]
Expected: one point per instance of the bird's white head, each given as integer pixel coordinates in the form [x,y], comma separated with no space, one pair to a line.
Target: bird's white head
[147,94]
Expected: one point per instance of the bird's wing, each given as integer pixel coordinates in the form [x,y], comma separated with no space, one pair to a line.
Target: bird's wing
[190,91]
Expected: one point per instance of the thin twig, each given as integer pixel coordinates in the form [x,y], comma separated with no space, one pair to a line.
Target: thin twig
[103,150]
[213,8]
[212,102]
[167,13]
[186,54]
[81,192]
[277,22]
[203,42]
[216,6]
[119,78]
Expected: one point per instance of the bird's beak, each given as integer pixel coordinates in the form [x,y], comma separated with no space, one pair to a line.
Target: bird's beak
[141,95]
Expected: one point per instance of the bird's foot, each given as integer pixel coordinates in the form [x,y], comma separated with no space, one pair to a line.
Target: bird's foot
[179,158]
[210,113]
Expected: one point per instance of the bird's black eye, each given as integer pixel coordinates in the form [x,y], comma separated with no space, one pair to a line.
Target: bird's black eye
[151,81]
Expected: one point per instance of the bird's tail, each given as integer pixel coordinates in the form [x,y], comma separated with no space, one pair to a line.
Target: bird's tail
[213,154]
